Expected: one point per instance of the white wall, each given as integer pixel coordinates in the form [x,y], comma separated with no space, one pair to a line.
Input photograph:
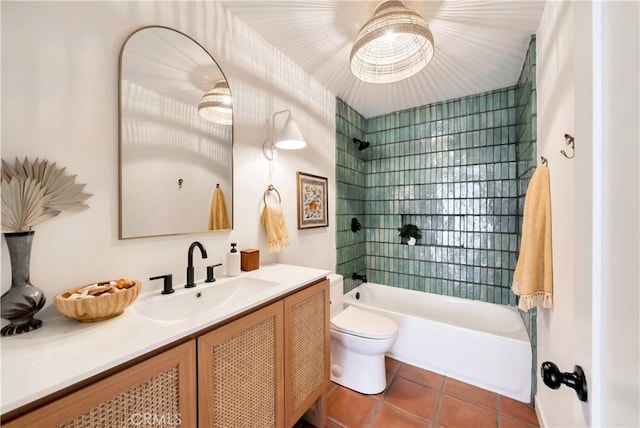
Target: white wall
[555,92]
[589,87]
[620,346]
[59,102]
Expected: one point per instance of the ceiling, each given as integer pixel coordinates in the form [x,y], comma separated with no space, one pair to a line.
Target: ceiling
[479,46]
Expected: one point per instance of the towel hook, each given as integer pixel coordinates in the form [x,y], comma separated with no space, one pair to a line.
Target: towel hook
[544,160]
[271,189]
[569,141]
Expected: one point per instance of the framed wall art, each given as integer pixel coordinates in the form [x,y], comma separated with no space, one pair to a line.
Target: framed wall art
[313,210]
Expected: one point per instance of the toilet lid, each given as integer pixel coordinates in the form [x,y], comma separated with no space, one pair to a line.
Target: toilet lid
[364,324]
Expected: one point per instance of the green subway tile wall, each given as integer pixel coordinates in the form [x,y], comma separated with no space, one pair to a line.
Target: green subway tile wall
[449,168]
[350,192]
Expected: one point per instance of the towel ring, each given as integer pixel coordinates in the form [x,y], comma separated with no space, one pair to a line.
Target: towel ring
[271,189]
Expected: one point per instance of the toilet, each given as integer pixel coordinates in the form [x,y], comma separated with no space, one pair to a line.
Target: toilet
[359,341]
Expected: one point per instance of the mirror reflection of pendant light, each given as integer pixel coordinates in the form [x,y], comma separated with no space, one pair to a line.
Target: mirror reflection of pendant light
[394,44]
[290,138]
[216,105]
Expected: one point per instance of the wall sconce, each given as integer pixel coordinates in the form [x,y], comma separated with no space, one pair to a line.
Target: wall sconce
[216,105]
[290,137]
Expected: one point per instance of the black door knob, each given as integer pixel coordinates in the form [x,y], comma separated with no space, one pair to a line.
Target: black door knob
[554,378]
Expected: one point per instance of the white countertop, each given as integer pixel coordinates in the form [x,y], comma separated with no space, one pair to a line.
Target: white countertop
[63,351]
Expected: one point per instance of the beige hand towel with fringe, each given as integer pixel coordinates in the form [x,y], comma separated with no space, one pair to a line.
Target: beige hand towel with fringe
[273,220]
[533,280]
[218,216]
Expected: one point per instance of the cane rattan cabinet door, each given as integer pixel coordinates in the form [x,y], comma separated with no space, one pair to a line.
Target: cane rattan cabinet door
[306,318]
[240,372]
[159,391]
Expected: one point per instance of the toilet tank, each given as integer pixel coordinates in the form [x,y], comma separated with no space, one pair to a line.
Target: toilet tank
[335,293]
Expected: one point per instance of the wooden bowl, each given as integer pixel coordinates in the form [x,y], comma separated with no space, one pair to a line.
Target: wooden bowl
[97,308]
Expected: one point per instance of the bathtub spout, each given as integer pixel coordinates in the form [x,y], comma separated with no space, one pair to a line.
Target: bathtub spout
[356,277]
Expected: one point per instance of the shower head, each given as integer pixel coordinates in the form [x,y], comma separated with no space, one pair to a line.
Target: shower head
[362,144]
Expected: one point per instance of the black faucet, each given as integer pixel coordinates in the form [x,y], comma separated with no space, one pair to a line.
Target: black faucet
[210,276]
[167,282]
[356,277]
[190,269]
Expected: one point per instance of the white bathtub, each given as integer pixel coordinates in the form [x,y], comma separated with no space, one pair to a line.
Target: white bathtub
[480,343]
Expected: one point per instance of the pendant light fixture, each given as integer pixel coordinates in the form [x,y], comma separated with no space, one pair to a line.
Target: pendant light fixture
[216,105]
[394,44]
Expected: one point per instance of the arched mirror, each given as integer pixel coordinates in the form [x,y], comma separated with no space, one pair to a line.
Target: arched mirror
[176,137]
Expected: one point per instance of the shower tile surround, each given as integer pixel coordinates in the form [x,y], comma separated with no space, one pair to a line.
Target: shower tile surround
[459,170]
[350,192]
[450,168]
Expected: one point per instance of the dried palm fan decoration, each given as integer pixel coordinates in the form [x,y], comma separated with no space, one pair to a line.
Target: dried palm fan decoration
[33,192]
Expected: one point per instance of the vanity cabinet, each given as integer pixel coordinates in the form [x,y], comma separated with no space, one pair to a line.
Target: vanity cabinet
[306,342]
[240,367]
[267,368]
[159,391]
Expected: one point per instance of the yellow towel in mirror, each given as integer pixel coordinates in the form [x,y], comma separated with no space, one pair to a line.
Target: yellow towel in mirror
[533,277]
[218,216]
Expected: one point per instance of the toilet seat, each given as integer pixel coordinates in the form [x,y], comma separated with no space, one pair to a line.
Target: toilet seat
[364,324]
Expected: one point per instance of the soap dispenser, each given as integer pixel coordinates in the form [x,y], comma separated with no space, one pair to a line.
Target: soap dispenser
[233,261]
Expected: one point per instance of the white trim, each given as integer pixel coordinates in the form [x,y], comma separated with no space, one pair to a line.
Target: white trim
[595,386]
[539,412]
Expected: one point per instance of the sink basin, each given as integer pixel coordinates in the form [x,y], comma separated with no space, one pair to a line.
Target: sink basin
[205,297]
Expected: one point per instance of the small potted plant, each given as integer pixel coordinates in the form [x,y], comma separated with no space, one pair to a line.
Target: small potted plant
[410,232]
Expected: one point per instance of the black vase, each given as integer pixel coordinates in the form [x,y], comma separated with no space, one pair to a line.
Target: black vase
[23,300]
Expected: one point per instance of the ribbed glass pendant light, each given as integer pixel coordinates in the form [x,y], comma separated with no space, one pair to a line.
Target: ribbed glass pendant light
[394,44]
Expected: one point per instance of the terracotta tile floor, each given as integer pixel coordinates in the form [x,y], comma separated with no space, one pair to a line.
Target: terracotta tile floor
[419,398]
